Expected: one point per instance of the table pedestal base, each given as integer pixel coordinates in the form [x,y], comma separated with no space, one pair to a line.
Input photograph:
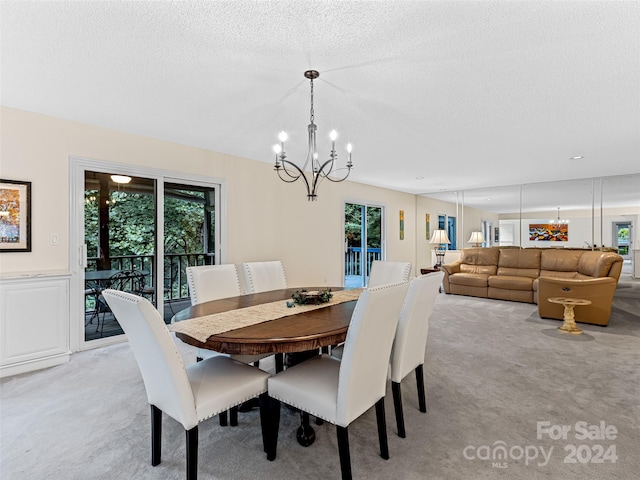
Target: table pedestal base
[569,325]
[305,433]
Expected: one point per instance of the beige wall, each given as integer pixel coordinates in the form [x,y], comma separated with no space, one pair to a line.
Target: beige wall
[266,218]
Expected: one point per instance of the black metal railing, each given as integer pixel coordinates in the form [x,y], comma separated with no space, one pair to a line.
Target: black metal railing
[175,269]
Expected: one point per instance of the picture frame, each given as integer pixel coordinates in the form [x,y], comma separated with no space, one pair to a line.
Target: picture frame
[548,232]
[427,225]
[401,224]
[15,216]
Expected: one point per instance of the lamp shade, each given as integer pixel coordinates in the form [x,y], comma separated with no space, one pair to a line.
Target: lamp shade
[439,236]
[477,238]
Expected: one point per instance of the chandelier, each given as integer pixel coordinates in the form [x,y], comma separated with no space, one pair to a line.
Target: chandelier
[558,221]
[290,172]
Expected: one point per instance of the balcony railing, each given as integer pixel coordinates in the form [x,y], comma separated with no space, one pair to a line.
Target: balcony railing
[353,259]
[175,268]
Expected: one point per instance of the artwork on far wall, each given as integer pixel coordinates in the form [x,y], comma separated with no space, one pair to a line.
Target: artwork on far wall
[401,224]
[15,216]
[548,232]
[427,226]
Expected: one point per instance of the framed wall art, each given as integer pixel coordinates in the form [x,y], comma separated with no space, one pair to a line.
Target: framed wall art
[15,216]
[548,232]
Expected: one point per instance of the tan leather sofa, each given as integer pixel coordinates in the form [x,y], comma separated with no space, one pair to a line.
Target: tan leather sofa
[535,274]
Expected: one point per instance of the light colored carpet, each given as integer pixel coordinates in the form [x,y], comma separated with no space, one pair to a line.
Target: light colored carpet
[493,371]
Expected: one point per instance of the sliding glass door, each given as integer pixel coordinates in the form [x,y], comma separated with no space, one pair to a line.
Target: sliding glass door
[139,234]
[363,240]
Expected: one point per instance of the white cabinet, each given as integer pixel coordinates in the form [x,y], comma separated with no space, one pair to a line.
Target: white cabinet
[34,322]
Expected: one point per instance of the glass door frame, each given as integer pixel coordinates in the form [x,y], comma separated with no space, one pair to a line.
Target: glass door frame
[364,239]
[77,249]
[616,224]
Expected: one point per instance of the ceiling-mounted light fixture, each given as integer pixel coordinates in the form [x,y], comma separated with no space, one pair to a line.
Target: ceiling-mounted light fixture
[120,178]
[293,172]
[558,221]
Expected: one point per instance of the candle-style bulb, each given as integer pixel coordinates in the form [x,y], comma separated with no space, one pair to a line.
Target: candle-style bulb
[333,135]
[283,136]
[277,149]
[349,147]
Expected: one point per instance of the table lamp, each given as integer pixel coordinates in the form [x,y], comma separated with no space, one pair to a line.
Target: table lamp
[440,237]
[477,239]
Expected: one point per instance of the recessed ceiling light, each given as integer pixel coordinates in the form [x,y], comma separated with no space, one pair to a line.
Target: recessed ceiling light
[488,199]
[577,157]
[419,178]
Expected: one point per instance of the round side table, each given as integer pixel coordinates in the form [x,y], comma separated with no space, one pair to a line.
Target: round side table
[569,325]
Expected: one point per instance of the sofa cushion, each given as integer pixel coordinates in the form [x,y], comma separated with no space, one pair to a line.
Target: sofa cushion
[479,260]
[560,260]
[596,264]
[469,279]
[520,258]
[554,274]
[509,282]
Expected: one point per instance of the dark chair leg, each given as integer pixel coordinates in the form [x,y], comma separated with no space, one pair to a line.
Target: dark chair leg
[397,406]
[270,422]
[223,418]
[233,416]
[279,362]
[156,435]
[420,383]
[192,453]
[343,449]
[382,429]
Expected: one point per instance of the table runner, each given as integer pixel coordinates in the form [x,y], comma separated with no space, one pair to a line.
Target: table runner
[201,328]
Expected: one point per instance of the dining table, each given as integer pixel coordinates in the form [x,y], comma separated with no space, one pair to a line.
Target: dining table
[269,323]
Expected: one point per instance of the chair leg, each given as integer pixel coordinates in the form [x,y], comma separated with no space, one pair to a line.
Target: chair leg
[223,418]
[382,429]
[233,416]
[420,383]
[397,406]
[192,453]
[279,362]
[270,423]
[343,449]
[156,435]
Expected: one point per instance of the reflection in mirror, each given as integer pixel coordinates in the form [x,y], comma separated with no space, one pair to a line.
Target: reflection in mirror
[601,212]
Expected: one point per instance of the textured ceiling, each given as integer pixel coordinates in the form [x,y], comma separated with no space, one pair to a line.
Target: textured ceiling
[463,94]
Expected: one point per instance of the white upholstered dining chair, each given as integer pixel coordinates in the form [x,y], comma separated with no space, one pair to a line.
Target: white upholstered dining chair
[190,394]
[214,282]
[264,276]
[340,391]
[388,272]
[410,341]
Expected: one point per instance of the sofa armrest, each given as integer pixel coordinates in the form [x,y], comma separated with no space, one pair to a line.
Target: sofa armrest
[599,291]
[449,269]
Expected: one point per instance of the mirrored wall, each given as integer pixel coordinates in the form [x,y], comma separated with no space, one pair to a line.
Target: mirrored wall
[598,213]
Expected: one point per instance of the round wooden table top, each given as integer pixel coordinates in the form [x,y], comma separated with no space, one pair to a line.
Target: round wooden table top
[569,301]
[296,333]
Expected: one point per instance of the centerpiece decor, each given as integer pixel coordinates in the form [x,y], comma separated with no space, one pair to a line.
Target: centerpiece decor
[313,297]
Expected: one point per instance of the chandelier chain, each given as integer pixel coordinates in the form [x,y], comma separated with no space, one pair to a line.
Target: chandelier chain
[312,113]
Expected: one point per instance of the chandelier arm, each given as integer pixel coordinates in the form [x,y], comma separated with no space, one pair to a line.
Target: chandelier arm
[296,177]
[293,175]
[340,179]
[324,174]
[289,179]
